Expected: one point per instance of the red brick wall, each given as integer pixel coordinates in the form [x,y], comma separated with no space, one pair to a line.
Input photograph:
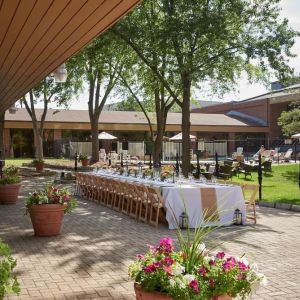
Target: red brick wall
[57,134]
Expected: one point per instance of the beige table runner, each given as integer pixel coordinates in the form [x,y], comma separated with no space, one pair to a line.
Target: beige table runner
[209,204]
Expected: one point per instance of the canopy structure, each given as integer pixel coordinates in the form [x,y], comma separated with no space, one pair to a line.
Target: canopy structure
[106,136]
[37,36]
[178,137]
[296,136]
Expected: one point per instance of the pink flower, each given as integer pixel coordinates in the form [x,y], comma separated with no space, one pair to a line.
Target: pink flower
[211,282]
[66,198]
[242,266]
[229,263]
[202,271]
[212,262]
[140,256]
[149,268]
[157,264]
[220,255]
[168,261]
[194,286]
[168,270]
[165,245]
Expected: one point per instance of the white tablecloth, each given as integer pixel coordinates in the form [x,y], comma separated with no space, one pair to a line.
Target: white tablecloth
[179,198]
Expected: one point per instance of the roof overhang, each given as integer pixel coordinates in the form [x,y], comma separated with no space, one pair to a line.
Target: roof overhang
[36,36]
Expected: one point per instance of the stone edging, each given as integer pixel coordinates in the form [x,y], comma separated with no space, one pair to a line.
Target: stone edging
[285,206]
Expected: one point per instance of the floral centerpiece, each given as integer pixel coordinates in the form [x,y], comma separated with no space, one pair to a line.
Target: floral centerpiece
[192,273]
[47,208]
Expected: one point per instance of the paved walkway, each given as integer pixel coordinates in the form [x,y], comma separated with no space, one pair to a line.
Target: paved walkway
[89,259]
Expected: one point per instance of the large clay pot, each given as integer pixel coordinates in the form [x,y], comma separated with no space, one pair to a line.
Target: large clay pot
[144,295]
[46,219]
[9,193]
[85,162]
[39,167]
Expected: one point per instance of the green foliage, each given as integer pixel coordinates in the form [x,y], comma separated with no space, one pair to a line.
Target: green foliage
[10,170]
[10,180]
[83,157]
[38,161]
[290,120]
[51,195]
[8,281]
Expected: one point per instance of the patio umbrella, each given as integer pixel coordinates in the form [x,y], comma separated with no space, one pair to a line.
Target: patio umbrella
[106,136]
[296,136]
[178,137]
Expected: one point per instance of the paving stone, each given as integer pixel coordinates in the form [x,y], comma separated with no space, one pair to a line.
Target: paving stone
[89,259]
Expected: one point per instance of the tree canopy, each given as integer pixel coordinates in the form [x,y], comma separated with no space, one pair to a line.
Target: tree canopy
[290,120]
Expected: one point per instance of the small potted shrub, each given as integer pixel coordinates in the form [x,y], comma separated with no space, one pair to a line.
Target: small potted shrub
[39,164]
[47,208]
[10,185]
[84,160]
[8,281]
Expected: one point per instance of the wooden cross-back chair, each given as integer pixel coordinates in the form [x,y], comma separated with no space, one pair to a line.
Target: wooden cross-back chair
[156,205]
[250,192]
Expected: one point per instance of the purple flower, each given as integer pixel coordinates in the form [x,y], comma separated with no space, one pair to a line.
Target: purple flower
[194,286]
[242,266]
[220,255]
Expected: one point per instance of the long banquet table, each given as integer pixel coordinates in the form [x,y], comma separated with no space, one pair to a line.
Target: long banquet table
[197,199]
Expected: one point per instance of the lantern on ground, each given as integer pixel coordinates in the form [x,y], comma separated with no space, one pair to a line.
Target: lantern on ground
[183,221]
[238,217]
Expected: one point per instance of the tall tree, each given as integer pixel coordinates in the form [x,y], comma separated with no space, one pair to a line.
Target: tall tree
[99,65]
[290,120]
[45,92]
[209,40]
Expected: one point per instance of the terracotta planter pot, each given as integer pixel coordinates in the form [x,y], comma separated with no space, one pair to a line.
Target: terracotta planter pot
[9,193]
[222,297]
[144,295]
[39,167]
[46,219]
[85,162]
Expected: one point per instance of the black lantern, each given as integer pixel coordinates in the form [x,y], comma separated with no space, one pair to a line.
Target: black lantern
[238,217]
[183,220]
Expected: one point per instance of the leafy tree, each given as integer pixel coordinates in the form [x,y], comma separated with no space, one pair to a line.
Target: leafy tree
[99,65]
[290,120]
[45,92]
[210,41]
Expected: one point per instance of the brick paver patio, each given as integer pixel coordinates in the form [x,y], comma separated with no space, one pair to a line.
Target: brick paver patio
[89,259]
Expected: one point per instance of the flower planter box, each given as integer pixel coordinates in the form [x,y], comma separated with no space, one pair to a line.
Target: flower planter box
[47,219]
[9,193]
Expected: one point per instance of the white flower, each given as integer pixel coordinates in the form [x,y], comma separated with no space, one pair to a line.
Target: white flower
[177,269]
[264,280]
[180,283]
[172,282]
[201,247]
[188,278]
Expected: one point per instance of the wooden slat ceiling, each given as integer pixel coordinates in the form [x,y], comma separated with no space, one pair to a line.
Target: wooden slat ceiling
[36,36]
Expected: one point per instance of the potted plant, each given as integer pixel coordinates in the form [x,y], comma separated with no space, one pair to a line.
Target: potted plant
[39,164]
[84,160]
[8,281]
[191,273]
[10,185]
[47,208]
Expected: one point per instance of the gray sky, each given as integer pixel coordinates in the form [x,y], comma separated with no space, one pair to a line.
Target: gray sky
[291,11]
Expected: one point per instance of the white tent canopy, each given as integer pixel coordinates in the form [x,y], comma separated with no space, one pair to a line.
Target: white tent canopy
[178,137]
[106,136]
[296,136]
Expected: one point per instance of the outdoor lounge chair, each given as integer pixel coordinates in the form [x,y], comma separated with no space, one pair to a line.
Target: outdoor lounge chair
[287,156]
[244,169]
[267,166]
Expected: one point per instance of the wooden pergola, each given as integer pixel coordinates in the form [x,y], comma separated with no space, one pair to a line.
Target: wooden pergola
[36,36]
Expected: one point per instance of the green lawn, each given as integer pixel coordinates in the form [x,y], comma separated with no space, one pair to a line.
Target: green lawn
[18,162]
[279,186]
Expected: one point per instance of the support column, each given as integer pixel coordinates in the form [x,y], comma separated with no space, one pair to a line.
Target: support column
[231,143]
[6,142]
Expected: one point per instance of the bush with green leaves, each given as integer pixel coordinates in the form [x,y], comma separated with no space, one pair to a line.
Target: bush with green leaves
[8,280]
[10,180]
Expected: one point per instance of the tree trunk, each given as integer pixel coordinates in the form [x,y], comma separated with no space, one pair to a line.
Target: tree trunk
[38,140]
[186,159]
[2,152]
[95,141]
